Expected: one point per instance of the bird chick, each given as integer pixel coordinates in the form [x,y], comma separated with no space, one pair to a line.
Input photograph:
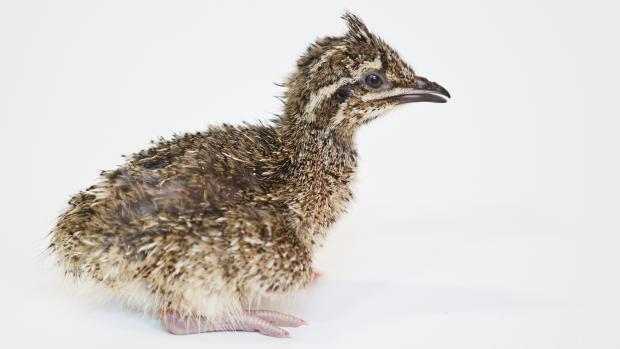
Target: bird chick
[200,228]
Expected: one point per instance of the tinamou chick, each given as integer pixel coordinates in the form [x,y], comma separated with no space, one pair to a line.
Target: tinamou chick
[200,228]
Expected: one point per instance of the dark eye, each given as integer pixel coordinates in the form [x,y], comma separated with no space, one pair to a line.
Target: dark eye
[374,80]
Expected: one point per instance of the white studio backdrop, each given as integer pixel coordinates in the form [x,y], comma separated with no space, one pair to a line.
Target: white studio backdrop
[487,222]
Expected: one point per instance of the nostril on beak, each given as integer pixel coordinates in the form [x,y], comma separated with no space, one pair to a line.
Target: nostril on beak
[421,83]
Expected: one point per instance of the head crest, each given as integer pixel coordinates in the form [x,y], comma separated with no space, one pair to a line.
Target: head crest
[357,28]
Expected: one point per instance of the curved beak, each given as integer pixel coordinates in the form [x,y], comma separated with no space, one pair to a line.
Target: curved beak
[424,91]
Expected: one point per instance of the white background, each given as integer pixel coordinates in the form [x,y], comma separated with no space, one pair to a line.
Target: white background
[487,222]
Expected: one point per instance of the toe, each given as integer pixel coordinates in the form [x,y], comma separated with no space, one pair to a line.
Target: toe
[265,327]
[277,318]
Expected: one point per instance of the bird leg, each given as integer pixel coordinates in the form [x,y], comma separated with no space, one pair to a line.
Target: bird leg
[316,275]
[262,321]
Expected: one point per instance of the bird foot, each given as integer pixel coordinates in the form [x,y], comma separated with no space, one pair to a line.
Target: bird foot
[266,322]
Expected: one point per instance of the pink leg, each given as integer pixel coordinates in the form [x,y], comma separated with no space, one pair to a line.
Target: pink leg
[315,276]
[262,321]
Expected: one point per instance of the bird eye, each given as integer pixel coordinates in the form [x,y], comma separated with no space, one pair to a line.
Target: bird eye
[374,80]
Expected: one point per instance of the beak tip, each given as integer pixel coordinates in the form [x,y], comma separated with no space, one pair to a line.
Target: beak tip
[443,91]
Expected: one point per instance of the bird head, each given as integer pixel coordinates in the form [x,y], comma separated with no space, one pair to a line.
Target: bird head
[346,81]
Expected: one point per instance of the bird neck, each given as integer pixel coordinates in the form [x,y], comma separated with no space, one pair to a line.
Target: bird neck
[319,165]
[315,149]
